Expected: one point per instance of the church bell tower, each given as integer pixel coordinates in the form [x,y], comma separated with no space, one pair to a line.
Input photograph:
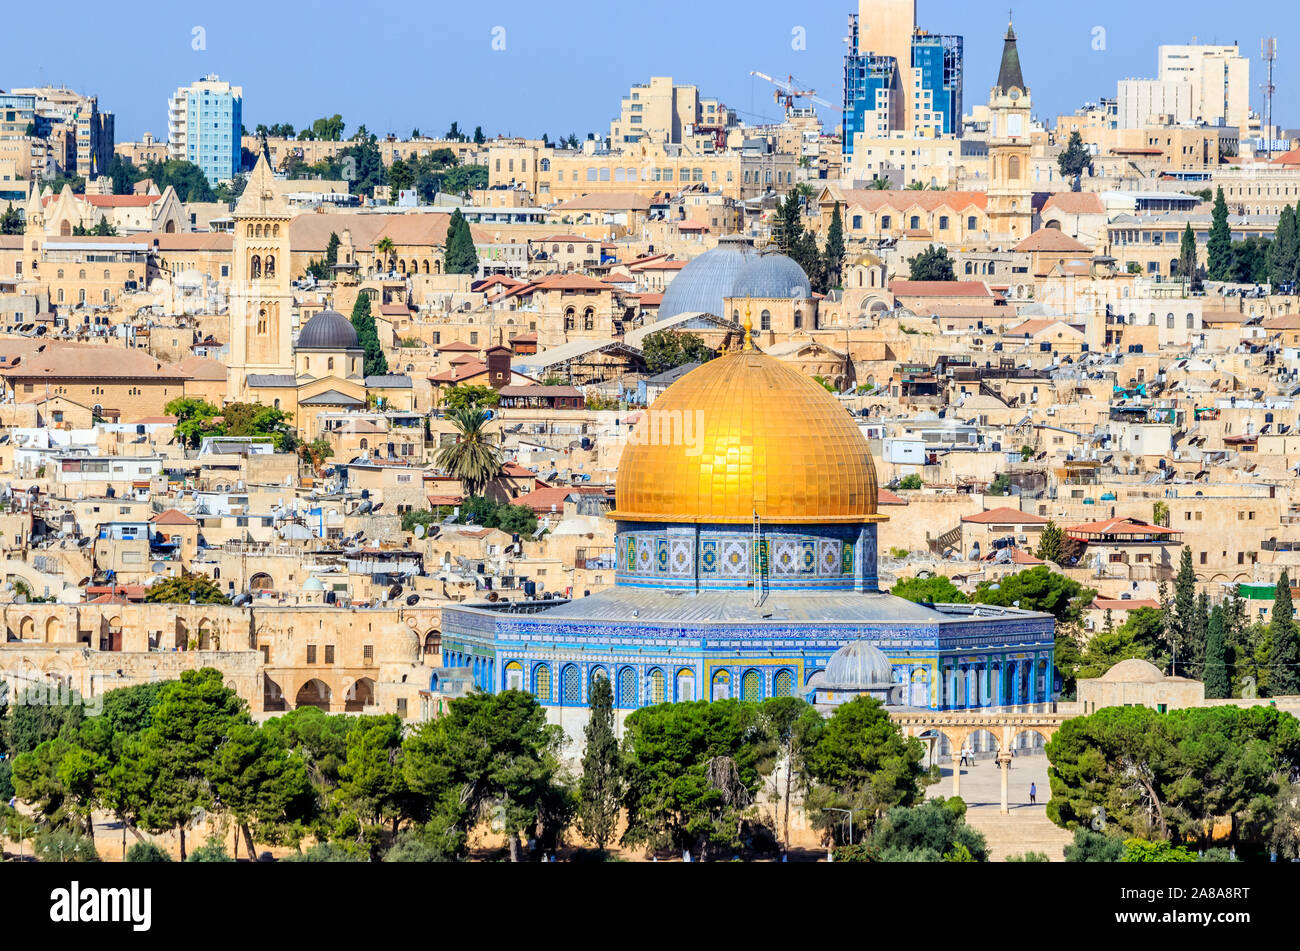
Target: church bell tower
[261,298]
[1010,197]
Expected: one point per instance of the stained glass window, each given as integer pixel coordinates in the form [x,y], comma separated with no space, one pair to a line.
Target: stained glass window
[685,686]
[542,682]
[751,686]
[656,686]
[783,686]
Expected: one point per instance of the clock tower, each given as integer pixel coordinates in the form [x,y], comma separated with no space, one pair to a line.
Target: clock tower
[1010,198]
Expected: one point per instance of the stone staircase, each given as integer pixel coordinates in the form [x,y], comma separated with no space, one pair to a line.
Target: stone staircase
[1025,829]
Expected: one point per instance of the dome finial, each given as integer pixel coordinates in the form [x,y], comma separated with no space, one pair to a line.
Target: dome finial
[749,328]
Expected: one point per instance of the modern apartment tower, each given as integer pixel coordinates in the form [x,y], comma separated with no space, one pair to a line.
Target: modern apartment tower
[898,77]
[204,121]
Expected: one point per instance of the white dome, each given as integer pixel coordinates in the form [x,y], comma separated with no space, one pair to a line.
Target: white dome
[313,584]
[857,666]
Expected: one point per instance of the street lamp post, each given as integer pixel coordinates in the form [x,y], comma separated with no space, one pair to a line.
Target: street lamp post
[849,813]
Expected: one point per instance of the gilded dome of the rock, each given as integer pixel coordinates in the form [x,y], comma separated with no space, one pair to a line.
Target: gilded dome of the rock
[741,434]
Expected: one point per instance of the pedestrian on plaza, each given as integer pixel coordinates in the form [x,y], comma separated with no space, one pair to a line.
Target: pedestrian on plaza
[1033,794]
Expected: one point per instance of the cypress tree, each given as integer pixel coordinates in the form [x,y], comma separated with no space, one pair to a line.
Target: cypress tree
[1183,620]
[1196,637]
[332,249]
[1219,247]
[1217,685]
[376,364]
[834,263]
[1284,658]
[600,789]
[1187,266]
[461,256]
[1282,254]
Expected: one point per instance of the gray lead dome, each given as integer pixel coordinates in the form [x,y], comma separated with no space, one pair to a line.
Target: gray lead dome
[706,280]
[328,330]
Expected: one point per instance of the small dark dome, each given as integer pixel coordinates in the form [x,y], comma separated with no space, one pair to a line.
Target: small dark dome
[328,330]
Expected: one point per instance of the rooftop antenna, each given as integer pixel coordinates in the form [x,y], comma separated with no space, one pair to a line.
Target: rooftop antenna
[1268,53]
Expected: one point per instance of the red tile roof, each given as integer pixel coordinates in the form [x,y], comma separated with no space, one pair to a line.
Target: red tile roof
[1005,516]
[1119,526]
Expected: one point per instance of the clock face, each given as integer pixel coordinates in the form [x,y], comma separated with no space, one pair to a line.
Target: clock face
[1015,94]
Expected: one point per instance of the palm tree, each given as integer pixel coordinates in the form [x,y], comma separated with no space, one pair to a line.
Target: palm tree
[880,184]
[471,458]
[386,249]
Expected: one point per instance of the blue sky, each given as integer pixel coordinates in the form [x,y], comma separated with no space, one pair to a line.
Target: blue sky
[422,63]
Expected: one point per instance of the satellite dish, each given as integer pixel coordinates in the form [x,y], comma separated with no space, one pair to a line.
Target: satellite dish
[394,592]
[419,531]
[158,567]
[413,600]
[364,507]
[377,508]
[242,600]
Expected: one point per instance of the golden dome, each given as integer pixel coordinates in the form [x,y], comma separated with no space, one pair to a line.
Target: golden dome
[741,434]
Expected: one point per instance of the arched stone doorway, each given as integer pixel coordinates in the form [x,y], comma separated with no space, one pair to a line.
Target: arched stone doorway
[272,696]
[360,696]
[314,693]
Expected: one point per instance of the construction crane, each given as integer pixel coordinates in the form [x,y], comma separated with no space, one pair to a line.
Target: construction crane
[787,92]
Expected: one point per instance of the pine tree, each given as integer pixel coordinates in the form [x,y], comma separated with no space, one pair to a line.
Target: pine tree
[600,789]
[461,256]
[1051,544]
[834,260]
[1284,658]
[1217,685]
[1219,247]
[788,226]
[376,364]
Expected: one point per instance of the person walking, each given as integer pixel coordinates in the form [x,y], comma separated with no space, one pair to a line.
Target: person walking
[1033,794]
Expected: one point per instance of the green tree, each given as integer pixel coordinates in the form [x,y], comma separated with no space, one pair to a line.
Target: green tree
[490,754]
[1051,544]
[936,589]
[460,257]
[668,349]
[186,589]
[473,457]
[1187,265]
[195,419]
[1283,253]
[376,364]
[1284,657]
[792,725]
[470,396]
[372,785]
[787,229]
[332,249]
[1217,684]
[188,179]
[600,788]
[1250,260]
[174,758]
[932,264]
[11,222]
[1039,589]
[147,852]
[861,761]
[1091,846]
[212,850]
[262,786]
[690,774]
[1076,159]
[384,251]
[1219,248]
[1139,850]
[1183,618]
[933,831]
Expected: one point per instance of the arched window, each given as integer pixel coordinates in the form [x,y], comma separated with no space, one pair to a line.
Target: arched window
[685,686]
[255,268]
[765,320]
[514,676]
[270,265]
[914,222]
[60,274]
[1013,168]
[656,686]
[330,364]
[542,682]
[570,687]
[589,319]
[627,687]
[570,318]
[751,686]
[798,319]
[82,274]
[783,685]
[972,223]
[721,685]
